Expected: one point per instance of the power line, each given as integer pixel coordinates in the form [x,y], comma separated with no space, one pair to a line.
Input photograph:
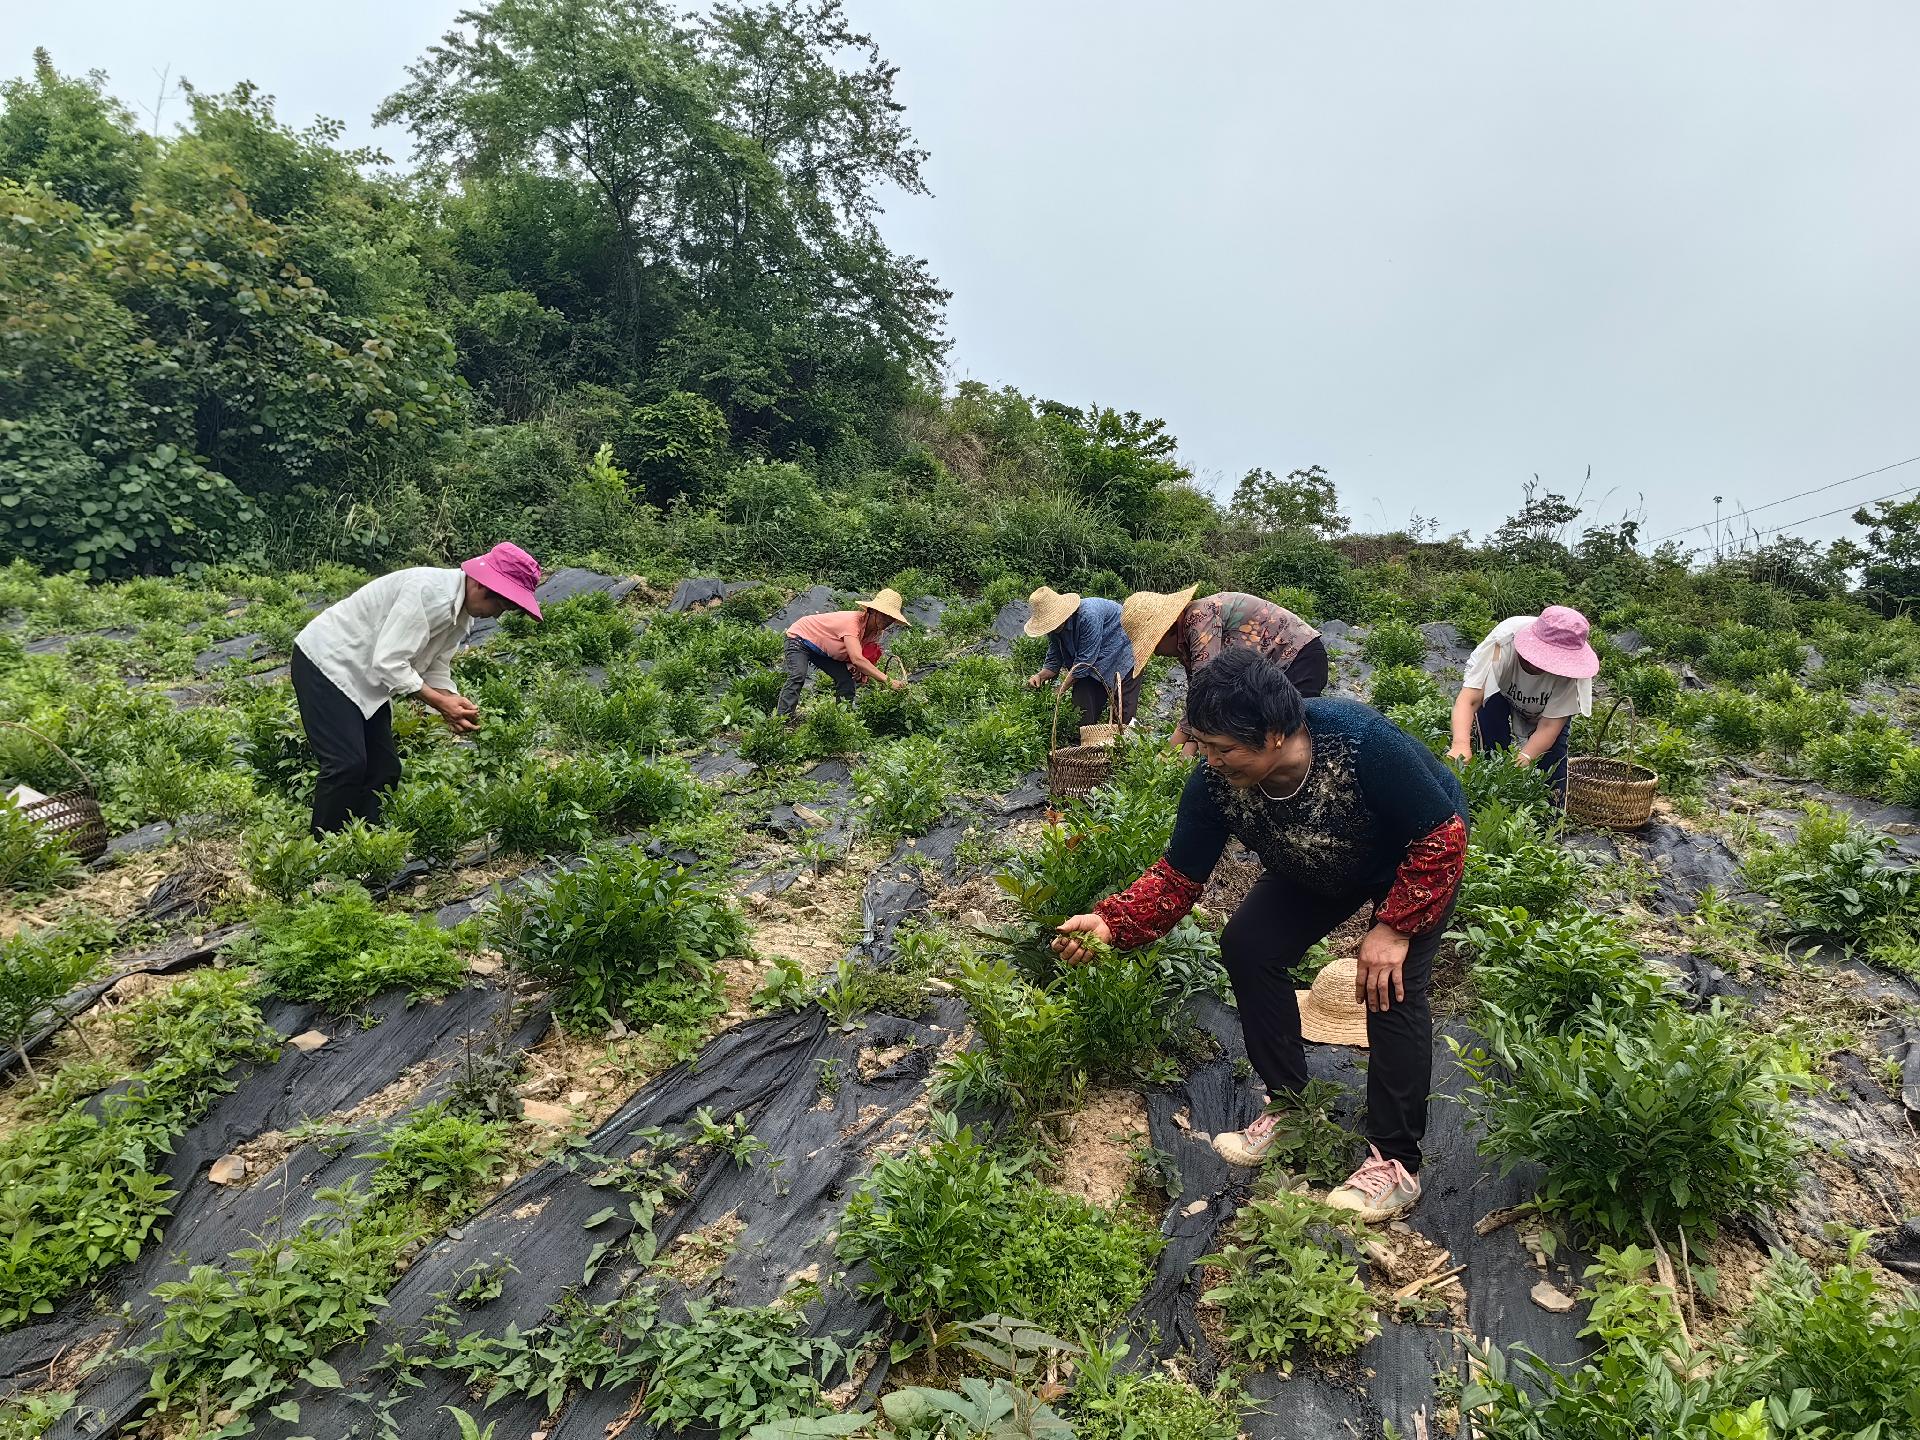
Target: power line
[1827,514]
[1799,495]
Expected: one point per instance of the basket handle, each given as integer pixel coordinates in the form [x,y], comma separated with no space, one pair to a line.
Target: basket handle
[1633,719]
[85,778]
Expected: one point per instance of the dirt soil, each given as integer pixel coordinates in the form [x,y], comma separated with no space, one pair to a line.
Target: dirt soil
[1095,1161]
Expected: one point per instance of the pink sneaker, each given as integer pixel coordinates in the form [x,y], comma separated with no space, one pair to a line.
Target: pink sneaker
[1248,1146]
[1381,1189]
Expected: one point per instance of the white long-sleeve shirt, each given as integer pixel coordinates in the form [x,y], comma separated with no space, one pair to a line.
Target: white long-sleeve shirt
[391,636]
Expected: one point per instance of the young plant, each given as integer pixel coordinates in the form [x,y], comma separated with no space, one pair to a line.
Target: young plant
[440,1161]
[622,937]
[340,950]
[1546,977]
[437,814]
[904,786]
[1516,860]
[726,1370]
[39,967]
[32,859]
[1288,1283]
[1029,1051]
[829,729]
[1394,643]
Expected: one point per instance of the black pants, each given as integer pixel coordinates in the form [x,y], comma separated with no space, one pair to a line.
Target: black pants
[1495,725]
[356,753]
[800,659]
[1091,696]
[1275,925]
[1308,669]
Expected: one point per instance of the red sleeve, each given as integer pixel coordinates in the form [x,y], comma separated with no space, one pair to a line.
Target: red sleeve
[1150,907]
[1425,883]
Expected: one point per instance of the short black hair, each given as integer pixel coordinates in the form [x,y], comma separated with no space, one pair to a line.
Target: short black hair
[1245,696]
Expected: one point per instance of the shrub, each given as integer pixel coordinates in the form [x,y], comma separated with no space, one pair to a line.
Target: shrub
[1288,1283]
[554,809]
[1860,758]
[1733,722]
[903,786]
[1846,890]
[767,741]
[1493,779]
[286,865]
[829,729]
[1123,1016]
[440,1161]
[622,937]
[32,860]
[1676,1125]
[1652,687]
[436,814]
[1029,1051]
[1396,685]
[38,968]
[340,950]
[1394,643]
[886,711]
[1547,975]
[1516,860]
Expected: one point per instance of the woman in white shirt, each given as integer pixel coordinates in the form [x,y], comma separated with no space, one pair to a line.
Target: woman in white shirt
[393,636]
[1523,683]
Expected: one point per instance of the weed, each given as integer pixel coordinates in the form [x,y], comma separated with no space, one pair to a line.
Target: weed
[854,990]
[732,1138]
[829,1069]
[28,1417]
[440,1161]
[1151,1404]
[1288,1283]
[340,950]
[622,937]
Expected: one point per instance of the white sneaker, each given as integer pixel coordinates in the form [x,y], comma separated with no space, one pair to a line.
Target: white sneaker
[1381,1189]
[1248,1146]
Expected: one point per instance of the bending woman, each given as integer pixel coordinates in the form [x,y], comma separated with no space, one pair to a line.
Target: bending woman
[836,642]
[1344,809]
[1524,682]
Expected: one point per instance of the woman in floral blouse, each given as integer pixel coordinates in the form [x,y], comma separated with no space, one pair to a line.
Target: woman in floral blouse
[1195,632]
[1344,809]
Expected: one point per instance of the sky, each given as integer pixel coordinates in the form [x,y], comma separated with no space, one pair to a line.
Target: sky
[1436,249]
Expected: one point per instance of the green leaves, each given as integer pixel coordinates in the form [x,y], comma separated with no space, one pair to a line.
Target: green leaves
[340,950]
[1289,1285]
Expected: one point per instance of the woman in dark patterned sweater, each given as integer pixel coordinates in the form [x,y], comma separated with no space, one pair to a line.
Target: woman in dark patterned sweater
[1344,809]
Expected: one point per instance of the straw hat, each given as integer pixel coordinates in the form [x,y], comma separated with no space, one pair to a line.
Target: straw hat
[1328,1012]
[1050,610]
[1147,615]
[886,603]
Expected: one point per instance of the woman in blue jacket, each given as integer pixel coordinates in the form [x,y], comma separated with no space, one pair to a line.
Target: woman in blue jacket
[1087,648]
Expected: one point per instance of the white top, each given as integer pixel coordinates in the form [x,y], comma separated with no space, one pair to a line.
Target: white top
[1494,667]
[391,636]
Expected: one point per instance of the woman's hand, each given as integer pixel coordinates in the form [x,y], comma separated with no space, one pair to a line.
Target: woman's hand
[460,713]
[1462,753]
[1378,974]
[897,683]
[1068,945]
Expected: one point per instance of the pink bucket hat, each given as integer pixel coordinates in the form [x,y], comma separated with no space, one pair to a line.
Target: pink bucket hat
[511,573]
[1557,644]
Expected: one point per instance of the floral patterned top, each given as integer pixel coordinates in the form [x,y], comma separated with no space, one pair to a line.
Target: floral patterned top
[1232,620]
[1377,817]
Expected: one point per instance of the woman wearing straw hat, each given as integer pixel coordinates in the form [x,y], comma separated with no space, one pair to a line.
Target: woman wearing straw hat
[1524,682]
[393,636]
[1088,647]
[838,642]
[1195,632]
[1344,809]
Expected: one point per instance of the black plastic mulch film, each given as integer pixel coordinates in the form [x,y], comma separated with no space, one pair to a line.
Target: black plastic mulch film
[788,1200]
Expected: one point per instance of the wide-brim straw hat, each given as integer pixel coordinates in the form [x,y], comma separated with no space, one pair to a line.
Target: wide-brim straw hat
[1050,610]
[1328,1012]
[886,603]
[1147,615]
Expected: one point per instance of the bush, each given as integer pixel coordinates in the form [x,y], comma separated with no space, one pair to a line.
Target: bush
[1652,687]
[622,937]
[558,808]
[829,729]
[1393,643]
[1288,1283]
[1396,685]
[32,860]
[1860,758]
[1677,1125]
[1836,881]
[340,950]
[1029,1052]
[1547,976]
[767,741]
[1517,860]
[1733,722]
[286,865]
[440,1162]
[436,814]
[904,786]
[1494,779]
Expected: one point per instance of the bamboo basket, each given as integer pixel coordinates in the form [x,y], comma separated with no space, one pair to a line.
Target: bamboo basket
[1075,769]
[73,816]
[1615,793]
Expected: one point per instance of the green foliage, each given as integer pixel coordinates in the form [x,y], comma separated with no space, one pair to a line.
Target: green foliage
[233,1336]
[1549,975]
[1652,687]
[30,1416]
[1303,501]
[1493,779]
[340,950]
[1517,860]
[440,1161]
[558,808]
[436,814]
[1677,1123]
[730,1369]
[1288,1284]
[828,729]
[1837,881]
[1394,643]
[285,864]
[1029,1052]
[1154,1405]
[1308,1142]
[767,741]
[622,937]
[32,860]
[904,786]
[1396,685]
[578,1343]
[82,1191]
[38,968]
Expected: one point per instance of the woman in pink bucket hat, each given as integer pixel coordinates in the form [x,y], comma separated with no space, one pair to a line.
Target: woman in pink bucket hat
[393,636]
[1523,683]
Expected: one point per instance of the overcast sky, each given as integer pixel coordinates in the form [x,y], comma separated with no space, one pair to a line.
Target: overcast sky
[1434,248]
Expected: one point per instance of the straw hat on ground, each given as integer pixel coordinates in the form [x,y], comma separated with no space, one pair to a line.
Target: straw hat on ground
[886,603]
[1050,610]
[1147,615]
[1328,1012]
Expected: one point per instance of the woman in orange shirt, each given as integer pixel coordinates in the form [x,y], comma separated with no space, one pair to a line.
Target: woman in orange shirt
[836,643]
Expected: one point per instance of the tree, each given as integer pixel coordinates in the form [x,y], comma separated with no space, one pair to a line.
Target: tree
[69,136]
[1304,500]
[1116,460]
[1890,570]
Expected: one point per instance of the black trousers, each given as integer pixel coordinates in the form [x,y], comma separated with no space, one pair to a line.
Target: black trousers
[1275,925]
[357,755]
[799,660]
[1308,669]
[1090,696]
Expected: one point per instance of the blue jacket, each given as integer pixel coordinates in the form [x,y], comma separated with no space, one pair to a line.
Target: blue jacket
[1091,643]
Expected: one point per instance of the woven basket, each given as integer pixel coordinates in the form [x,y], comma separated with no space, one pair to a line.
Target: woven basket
[1615,793]
[1075,769]
[72,817]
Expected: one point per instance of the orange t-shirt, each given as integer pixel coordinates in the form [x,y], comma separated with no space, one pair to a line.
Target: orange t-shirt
[836,633]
